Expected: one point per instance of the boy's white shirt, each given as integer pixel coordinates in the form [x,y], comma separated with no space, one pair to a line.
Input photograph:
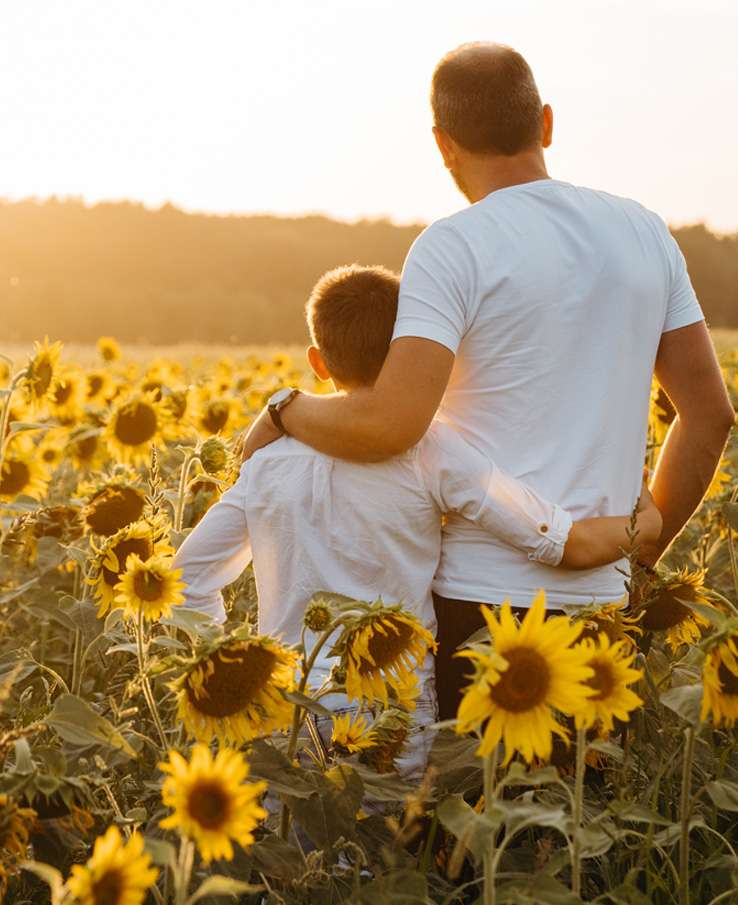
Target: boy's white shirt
[313,523]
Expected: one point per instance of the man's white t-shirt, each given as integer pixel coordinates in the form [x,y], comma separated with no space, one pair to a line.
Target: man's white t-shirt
[553,299]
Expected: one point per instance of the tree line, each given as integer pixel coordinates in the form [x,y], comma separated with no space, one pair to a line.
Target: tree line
[165,276]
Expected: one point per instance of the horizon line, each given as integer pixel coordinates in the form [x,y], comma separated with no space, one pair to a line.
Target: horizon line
[297,215]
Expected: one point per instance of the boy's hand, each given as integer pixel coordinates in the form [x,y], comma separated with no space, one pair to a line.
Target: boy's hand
[650,522]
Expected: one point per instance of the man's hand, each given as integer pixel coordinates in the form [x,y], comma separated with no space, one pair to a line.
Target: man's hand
[261,433]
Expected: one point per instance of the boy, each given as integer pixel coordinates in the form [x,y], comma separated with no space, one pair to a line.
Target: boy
[315,523]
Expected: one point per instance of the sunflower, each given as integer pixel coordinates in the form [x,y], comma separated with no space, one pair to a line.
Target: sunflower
[135,423]
[531,670]
[384,646]
[113,507]
[720,680]
[613,673]
[41,372]
[212,802]
[352,735]
[233,691]
[116,874]
[85,446]
[99,386]
[721,481]
[50,451]
[662,413]
[108,348]
[664,611]
[68,395]
[406,693]
[614,620]
[21,473]
[216,414]
[15,827]
[390,730]
[136,538]
[152,586]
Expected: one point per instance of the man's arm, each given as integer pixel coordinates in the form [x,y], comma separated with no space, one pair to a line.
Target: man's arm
[373,424]
[215,554]
[687,369]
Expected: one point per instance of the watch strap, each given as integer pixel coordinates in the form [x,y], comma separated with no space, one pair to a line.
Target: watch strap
[276,408]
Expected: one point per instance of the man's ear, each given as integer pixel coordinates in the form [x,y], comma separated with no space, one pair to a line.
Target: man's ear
[446,146]
[315,360]
[548,125]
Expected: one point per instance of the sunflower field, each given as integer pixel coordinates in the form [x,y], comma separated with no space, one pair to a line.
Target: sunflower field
[151,756]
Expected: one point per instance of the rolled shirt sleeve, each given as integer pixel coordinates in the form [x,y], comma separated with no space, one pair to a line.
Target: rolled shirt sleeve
[461,479]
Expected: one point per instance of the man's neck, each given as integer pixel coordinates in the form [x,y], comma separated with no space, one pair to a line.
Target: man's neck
[498,172]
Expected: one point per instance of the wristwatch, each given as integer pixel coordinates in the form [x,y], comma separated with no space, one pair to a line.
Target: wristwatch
[277,402]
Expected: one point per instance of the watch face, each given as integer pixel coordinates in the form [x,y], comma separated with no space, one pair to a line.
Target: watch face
[280,396]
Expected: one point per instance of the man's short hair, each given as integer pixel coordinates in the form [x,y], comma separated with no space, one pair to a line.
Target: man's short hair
[351,315]
[485,97]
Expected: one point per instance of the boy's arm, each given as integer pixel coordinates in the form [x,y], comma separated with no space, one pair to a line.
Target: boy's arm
[463,480]
[596,542]
[215,553]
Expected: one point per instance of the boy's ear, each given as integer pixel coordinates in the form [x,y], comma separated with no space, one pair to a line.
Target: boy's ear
[315,360]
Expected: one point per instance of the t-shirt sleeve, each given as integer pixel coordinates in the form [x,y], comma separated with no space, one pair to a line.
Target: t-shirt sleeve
[682,308]
[437,287]
[461,479]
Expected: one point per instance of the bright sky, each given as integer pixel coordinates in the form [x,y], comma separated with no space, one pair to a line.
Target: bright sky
[321,105]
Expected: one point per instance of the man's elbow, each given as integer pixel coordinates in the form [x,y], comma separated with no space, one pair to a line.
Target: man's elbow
[714,422]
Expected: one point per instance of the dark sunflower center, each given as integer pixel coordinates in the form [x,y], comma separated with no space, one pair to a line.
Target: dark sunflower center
[135,424]
[666,611]
[62,392]
[153,386]
[603,680]
[114,508]
[15,477]
[525,682]
[123,549]
[238,676]
[49,454]
[728,680]
[94,385]
[42,374]
[208,804]
[385,649]
[215,417]
[109,889]
[177,403]
[85,449]
[148,586]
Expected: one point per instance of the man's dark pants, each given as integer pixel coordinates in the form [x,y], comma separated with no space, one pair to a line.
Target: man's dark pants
[457,620]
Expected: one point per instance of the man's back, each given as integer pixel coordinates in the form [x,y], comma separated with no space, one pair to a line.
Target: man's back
[555,299]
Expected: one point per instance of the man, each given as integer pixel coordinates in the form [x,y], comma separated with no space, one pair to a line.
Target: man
[532,321]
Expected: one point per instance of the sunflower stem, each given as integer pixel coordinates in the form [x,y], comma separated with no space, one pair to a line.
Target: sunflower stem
[145,685]
[490,792]
[184,870]
[307,665]
[731,547]
[576,851]
[685,809]
[5,418]
[189,458]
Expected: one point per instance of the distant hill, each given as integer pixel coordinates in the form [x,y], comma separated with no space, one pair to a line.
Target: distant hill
[163,276]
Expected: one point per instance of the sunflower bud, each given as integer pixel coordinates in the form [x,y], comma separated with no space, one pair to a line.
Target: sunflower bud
[213,455]
[318,616]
